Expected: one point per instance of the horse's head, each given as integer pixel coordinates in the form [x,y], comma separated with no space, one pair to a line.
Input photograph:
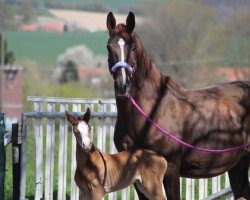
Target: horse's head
[82,130]
[121,52]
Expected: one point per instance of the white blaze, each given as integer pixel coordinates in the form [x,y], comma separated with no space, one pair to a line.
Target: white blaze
[84,132]
[121,43]
[123,75]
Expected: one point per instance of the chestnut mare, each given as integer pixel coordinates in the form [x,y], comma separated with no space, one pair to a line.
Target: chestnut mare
[216,117]
[99,173]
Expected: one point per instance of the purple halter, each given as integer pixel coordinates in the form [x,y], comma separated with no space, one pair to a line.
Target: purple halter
[122,64]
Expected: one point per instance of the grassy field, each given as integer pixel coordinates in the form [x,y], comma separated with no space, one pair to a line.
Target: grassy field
[45,47]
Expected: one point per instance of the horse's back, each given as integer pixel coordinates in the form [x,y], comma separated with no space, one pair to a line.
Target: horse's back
[219,119]
[232,90]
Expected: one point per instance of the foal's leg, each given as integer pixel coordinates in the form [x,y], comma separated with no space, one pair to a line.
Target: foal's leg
[153,189]
[125,145]
[238,177]
[97,196]
[151,181]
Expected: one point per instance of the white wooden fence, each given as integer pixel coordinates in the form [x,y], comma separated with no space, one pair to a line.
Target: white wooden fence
[48,122]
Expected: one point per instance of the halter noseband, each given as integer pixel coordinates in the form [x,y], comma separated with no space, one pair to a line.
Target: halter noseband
[124,65]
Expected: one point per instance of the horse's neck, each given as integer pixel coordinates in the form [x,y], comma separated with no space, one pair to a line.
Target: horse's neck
[148,79]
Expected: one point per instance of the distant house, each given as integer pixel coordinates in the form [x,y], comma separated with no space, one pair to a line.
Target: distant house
[12,93]
[46,24]
[46,27]
[28,27]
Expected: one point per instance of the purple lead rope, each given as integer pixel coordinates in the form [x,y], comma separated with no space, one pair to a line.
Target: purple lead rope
[180,141]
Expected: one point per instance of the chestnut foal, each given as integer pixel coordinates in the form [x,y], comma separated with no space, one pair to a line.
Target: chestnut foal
[99,173]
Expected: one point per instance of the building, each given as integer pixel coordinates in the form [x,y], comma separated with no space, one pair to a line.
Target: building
[11,93]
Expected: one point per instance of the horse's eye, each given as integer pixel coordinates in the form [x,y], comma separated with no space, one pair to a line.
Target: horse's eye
[133,47]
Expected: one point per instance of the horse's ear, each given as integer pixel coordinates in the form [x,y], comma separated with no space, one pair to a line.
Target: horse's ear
[111,22]
[130,22]
[87,115]
[71,119]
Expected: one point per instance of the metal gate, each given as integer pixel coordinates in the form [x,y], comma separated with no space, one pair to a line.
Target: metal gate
[48,122]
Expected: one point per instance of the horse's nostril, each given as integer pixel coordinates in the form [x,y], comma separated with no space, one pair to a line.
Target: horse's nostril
[124,87]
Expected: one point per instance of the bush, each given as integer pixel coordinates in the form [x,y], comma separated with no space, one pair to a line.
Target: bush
[82,56]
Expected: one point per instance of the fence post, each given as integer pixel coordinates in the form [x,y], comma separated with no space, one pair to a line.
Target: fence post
[16,146]
[2,154]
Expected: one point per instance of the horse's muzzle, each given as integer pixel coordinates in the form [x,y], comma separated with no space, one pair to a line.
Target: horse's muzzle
[122,89]
[122,81]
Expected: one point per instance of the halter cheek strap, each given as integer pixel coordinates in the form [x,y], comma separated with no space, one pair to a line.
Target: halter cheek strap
[122,64]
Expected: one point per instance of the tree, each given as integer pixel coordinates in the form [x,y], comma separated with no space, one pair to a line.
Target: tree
[178,27]
[9,56]
[172,33]
[26,11]
[7,17]
[69,73]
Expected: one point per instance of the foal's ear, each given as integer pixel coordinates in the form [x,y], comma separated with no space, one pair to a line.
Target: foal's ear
[87,115]
[130,22]
[71,119]
[111,22]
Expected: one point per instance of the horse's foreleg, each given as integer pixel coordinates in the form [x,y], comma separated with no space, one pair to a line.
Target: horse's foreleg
[171,183]
[238,177]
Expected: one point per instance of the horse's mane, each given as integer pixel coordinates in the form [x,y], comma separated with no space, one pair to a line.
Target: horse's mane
[147,64]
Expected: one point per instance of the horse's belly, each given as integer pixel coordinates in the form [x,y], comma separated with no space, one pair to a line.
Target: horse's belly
[205,165]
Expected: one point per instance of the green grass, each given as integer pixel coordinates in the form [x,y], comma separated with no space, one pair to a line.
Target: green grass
[46,47]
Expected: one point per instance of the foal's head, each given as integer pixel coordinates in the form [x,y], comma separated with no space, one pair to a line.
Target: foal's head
[82,130]
[121,52]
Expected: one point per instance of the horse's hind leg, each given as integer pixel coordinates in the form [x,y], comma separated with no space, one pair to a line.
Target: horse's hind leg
[238,177]
[141,196]
[171,183]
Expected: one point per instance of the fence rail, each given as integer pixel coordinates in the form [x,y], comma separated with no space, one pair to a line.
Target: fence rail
[50,129]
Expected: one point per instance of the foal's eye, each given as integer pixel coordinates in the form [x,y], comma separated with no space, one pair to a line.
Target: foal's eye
[75,130]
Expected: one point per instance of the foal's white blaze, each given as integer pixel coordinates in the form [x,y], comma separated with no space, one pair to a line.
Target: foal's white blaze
[121,43]
[84,132]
